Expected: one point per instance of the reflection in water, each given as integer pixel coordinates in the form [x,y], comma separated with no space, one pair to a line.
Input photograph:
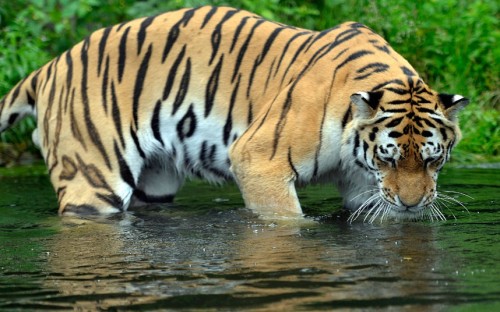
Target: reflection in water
[210,256]
[230,259]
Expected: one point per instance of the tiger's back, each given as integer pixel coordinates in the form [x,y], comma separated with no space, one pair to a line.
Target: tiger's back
[130,112]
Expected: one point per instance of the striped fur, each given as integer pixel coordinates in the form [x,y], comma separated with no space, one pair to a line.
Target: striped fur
[127,114]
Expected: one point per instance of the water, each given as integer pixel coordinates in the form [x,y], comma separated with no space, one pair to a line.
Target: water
[207,253]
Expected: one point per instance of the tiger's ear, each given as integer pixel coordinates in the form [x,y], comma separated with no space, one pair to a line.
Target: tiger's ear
[452,104]
[366,103]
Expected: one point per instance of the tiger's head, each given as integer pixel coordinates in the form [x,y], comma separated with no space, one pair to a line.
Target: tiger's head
[401,137]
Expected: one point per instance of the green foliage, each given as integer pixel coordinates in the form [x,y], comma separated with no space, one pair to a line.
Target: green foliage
[453,44]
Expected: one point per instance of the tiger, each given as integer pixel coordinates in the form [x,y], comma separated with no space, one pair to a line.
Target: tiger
[128,114]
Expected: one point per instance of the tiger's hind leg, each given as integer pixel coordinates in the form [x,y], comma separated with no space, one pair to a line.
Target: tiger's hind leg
[84,189]
[158,183]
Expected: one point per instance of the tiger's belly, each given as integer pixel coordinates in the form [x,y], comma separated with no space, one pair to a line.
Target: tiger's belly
[181,146]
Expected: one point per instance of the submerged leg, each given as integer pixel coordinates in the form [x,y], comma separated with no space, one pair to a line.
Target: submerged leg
[83,188]
[158,183]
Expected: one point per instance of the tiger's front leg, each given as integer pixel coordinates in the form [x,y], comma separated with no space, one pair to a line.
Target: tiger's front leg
[267,186]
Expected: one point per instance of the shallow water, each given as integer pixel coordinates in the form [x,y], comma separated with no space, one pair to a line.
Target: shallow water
[205,252]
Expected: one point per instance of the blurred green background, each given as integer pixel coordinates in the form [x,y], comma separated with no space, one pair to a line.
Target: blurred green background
[453,44]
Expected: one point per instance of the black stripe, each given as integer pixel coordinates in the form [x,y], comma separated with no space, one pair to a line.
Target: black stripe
[122,54]
[294,58]
[269,72]
[16,92]
[290,162]
[137,143]
[395,134]
[207,159]
[380,45]
[356,145]
[379,120]
[69,169]
[216,34]
[105,83]
[120,26]
[250,113]
[319,36]
[341,38]
[398,102]
[173,34]
[30,99]
[360,164]
[397,110]
[92,174]
[320,140]
[91,129]
[261,56]
[146,198]
[428,123]
[208,16]
[244,48]
[50,103]
[171,74]
[102,47]
[365,150]
[141,34]
[426,110]
[47,76]
[353,57]
[190,118]
[116,114]
[263,119]
[282,121]
[426,134]
[155,122]
[34,81]
[229,120]
[421,100]
[394,122]
[443,133]
[373,134]
[12,118]
[183,88]
[125,172]
[397,90]
[407,71]
[371,69]
[139,84]
[287,46]
[423,90]
[383,84]
[286,108]
[112,199]
[212,86]
[347,117]
[75,130]
[69,72]
[237,32]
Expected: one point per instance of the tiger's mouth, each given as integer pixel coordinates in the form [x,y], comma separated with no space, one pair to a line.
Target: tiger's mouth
[377,207]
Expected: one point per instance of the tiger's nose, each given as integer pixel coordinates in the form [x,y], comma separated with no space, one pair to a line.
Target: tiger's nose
[410,201]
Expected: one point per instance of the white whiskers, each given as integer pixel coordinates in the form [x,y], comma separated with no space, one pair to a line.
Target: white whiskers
[376,207]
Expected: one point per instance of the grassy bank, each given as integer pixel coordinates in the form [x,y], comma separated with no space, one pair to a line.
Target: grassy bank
[452,43]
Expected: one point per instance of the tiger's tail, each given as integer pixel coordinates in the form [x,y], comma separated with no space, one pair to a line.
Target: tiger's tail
[19,102]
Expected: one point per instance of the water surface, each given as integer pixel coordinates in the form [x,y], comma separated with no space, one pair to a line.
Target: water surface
[206,252]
